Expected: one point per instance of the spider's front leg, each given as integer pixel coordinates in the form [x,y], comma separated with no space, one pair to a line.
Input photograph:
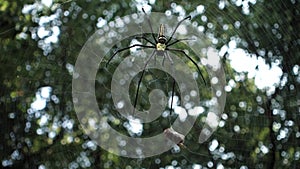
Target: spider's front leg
[120,50]
[179,40]
[143,37]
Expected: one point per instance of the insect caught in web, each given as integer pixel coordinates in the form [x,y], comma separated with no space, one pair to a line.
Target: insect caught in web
[179,139]
[161,45]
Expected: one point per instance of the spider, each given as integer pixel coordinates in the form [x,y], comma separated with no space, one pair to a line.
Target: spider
[161,46]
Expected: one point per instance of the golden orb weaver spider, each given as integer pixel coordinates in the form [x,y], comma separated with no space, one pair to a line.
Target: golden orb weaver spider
[161,46]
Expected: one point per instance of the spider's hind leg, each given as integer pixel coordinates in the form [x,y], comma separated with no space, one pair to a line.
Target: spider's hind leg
[183,52]
[173,86]
[169,57]
[140,80]
[173,91]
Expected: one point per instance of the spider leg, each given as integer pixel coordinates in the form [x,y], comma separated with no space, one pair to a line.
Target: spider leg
[182,51]
[171,60]
[166,54]
[139,83]
[173,85]
[150,25]
[179,40]
[188,17]
[142,37]
[173,91]
[172,98]
[120,50]
[155,60]
[163,61]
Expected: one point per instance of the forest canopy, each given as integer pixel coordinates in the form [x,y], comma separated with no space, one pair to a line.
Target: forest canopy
[256,42]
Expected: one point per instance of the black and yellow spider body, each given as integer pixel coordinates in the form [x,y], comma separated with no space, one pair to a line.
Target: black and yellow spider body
[161,41]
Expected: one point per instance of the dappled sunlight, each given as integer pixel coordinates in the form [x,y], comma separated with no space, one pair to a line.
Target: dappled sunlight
[266,77]
[254,42]
[134,127]
[41,98]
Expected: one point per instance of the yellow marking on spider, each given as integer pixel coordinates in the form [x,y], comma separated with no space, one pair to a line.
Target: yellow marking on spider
[160,46]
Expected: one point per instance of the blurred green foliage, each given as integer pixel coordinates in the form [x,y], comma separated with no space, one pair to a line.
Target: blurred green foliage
[261,129]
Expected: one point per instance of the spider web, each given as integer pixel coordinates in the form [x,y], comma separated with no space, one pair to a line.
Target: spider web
[255,126]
